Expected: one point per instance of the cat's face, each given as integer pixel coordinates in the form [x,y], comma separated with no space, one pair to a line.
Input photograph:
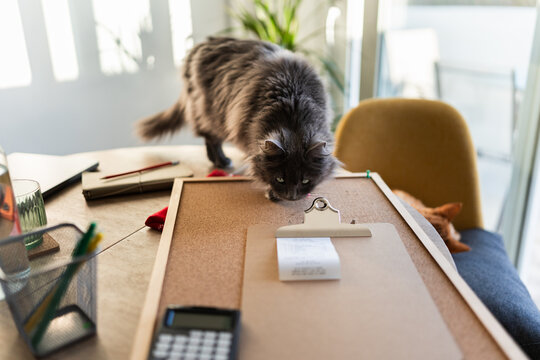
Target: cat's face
[292,173]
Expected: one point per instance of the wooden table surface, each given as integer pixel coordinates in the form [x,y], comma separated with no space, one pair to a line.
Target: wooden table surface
[128,250]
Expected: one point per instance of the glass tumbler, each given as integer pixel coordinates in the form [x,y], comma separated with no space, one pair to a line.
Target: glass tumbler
[31,209]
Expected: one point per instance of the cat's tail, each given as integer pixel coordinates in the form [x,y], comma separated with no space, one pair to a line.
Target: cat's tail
[165,122]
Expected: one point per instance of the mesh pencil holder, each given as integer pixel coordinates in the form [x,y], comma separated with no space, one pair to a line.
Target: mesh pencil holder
[52,298]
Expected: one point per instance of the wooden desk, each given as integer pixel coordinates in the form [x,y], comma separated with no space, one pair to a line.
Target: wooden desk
[129,249]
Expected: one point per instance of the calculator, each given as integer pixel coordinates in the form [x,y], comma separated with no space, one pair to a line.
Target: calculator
[197,333]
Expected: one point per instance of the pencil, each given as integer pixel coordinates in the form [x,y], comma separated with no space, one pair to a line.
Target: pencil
[141,170]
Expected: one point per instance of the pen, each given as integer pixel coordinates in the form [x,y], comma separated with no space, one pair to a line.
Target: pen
[141,170]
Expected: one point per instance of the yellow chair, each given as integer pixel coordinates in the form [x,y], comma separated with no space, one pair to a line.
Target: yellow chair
[420,146]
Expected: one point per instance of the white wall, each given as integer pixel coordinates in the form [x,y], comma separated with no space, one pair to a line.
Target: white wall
[96,111]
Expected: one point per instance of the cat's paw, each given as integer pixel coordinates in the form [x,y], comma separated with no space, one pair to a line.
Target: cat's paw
[222,162]
[269,194]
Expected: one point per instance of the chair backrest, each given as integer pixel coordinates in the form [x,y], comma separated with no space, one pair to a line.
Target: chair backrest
[420,146]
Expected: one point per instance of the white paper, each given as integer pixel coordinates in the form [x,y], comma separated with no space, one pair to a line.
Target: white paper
[307,259]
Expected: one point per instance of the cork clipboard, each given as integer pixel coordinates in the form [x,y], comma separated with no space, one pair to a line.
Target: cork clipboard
[200,259]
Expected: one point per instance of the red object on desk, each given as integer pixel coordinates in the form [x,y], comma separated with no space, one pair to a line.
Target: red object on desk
[157,220]
[218,172]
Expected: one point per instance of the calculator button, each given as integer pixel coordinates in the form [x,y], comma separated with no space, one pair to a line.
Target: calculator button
[162,346]
[225,335]
[206,349]
[175,356]
[165,338]
[195,333]
[224,342]
[210,334]
[208,342]
[222,350]
[190,356]
[194,341]
[159,354]
[221,357]
[205,357]
[178,347]
[176,352]
[180,338]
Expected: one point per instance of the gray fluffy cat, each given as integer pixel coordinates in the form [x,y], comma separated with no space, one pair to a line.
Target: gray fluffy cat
[265,100]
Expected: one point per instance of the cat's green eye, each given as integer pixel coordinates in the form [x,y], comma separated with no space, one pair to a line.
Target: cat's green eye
[305,181]
[280,180]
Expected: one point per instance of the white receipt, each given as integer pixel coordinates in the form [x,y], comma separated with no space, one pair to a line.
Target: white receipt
[307,259]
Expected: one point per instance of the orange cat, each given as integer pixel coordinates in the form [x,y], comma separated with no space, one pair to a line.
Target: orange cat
[440,217]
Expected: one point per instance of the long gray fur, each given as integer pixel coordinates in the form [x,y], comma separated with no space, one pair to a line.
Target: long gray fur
[267,101]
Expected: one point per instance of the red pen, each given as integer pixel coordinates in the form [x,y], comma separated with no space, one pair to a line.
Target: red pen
[143,169]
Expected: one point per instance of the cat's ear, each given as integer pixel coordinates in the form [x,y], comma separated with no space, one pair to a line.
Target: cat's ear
[319,148]
[450,210]
[272,147]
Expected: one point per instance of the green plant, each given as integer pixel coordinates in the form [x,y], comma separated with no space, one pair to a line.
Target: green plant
[267,24]
[281,28]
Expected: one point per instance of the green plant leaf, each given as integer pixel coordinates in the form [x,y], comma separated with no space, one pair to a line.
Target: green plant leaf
[270,16]
[279,24]
[289,14]
[252,24]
